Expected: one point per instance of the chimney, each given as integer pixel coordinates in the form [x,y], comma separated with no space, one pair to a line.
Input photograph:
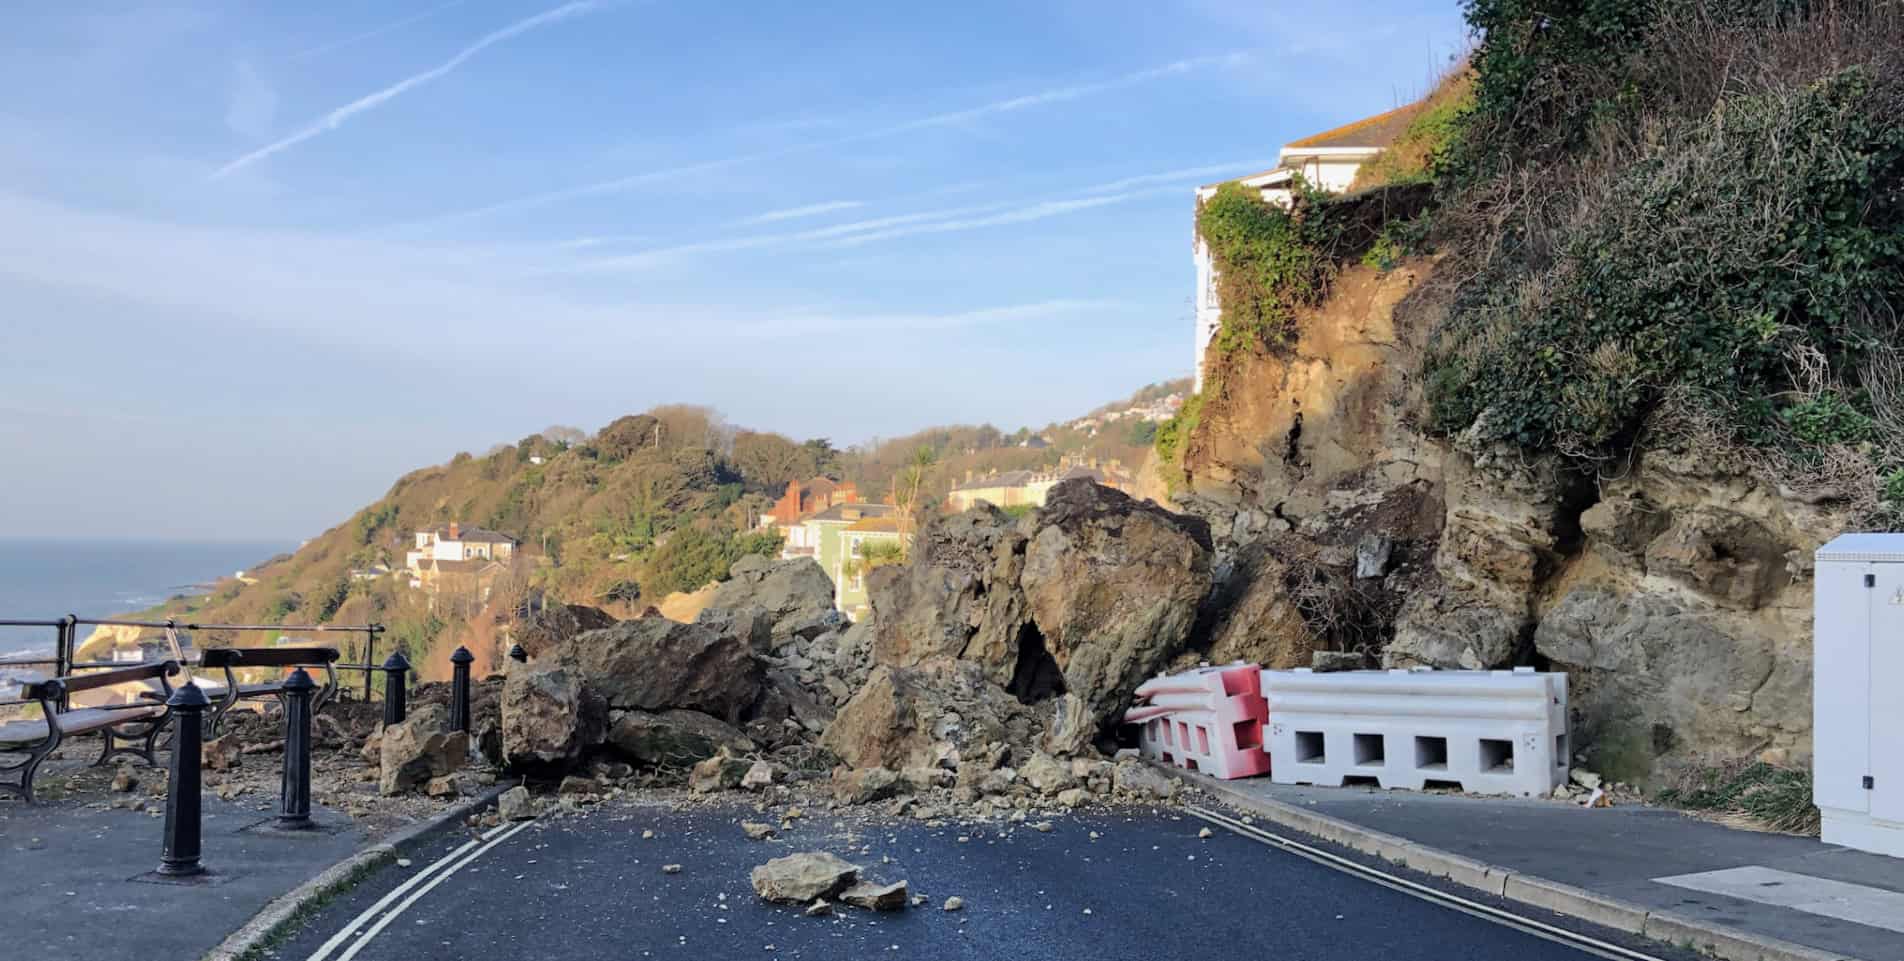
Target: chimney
[456,531]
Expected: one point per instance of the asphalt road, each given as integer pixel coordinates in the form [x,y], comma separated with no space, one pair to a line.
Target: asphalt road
[591,887]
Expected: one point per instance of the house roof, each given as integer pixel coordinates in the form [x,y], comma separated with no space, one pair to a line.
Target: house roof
[876,524]
[474,566]
[1010,478]
[472,534]
[838,512]
[1371,132]
[1368,133]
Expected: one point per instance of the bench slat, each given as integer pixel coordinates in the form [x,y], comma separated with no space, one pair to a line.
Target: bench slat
[82,721]
[268,656]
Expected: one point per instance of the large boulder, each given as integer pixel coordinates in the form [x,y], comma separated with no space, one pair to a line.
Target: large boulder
[543,631]
[958,598]
[673,738]
[548,718]
[653,664]
[908,717]
[421,748]
[796,595]
[1113,586]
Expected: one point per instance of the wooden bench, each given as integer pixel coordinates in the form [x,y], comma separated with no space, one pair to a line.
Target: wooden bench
[146,718]
[233,659]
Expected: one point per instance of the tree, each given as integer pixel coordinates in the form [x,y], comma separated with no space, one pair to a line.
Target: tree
[625,435]
[768,461]
[907,484]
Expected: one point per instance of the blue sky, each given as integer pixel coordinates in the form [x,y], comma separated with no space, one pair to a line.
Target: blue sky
[256,260]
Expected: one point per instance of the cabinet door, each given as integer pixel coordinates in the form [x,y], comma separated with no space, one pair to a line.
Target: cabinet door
[1841,686]
[1887,693]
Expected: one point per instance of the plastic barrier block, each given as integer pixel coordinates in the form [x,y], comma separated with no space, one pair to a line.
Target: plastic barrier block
[1209,720]
[1486,732]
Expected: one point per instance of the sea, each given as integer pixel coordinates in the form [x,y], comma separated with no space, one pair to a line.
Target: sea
[44,579]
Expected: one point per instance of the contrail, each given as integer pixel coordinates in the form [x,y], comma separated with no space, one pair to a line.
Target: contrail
[373,33]
[337,118]
[810,210]
[950,118]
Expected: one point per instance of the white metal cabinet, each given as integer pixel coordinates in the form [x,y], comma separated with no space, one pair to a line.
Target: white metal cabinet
[1858,691]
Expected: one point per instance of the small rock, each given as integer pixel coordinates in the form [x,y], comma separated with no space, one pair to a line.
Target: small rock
[1206,834]
[758,777]
[124,781]
[819,909]
[1585,778]
[404,862]
[1073,797]
[515,804]
[757,831]
[647,835]
[441,787]
[876,897]
[803,877]
[955,904]
[1042,827]
[671,869]
[575,786]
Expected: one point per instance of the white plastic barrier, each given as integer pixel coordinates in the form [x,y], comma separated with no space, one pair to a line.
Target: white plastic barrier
[1489,732]
[1209,719]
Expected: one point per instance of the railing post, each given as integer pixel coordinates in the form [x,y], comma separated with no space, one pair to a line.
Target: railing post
[63,650]
[394,690]
[182,796]
[370,655]
[460,660]
[294,797]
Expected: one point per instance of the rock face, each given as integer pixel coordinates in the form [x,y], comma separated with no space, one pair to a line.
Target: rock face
[796,596]
[652,664]
[673,738]
[421,748]
[801,878]
[1089,595]
[548,719]
[1675,590]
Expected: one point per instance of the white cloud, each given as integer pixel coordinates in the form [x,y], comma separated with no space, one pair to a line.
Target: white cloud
[338,117]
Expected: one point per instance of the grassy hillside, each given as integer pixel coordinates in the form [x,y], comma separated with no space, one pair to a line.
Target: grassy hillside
[651,504]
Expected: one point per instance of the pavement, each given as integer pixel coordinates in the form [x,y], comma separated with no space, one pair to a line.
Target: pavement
[1750,894]
[1127,884]
[74,880]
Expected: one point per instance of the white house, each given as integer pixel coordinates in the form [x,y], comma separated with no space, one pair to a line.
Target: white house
[1328,160]
[454,542]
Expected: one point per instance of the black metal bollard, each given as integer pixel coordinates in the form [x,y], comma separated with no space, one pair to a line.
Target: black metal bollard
[460,661]
[294,796]
[182,796]
[517,654]
[395,691]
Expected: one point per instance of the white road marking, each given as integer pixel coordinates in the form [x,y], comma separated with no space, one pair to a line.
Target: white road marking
[416,896]
[343,934]
[1856,903]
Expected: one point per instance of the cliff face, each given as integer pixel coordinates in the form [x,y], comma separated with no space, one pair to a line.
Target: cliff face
[1676,592]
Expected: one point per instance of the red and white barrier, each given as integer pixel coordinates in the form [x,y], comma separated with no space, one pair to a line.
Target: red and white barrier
[1209,720]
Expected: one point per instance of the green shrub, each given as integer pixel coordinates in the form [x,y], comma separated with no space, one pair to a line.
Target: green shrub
[1269,261]
[1773,797]
[1173,433]
[1764,230]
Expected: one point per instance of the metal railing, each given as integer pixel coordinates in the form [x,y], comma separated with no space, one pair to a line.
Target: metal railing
[65,648]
